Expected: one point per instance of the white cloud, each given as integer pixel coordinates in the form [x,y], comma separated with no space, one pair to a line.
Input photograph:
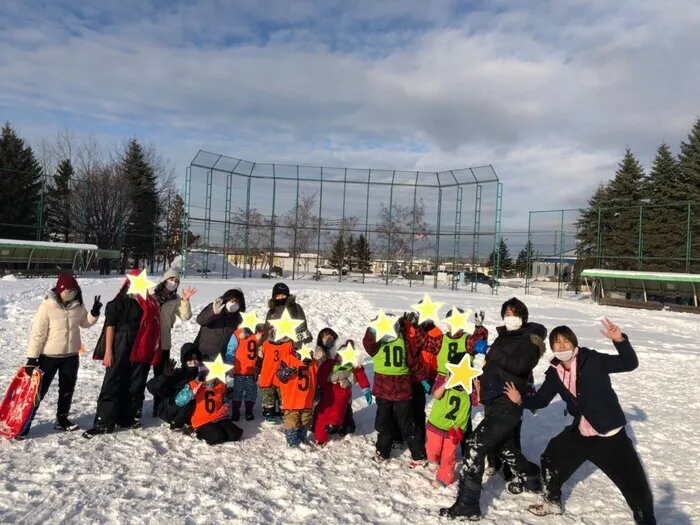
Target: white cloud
[550,94]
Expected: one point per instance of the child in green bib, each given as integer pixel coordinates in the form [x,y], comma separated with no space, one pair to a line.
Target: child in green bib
[449,417]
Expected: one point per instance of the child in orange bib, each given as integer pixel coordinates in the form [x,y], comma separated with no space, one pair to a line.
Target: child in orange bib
[298,388]
[271,353]
[242,353]
[210,418]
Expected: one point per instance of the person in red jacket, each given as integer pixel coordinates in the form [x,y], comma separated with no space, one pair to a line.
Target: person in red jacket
[335,380]
[424,341]
[394,364]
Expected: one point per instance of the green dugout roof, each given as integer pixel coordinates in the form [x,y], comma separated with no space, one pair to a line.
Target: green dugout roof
[643,276]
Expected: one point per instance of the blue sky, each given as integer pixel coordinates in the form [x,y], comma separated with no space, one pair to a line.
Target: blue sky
[549,92]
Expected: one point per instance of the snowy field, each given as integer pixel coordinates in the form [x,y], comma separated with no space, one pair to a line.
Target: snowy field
[153,476]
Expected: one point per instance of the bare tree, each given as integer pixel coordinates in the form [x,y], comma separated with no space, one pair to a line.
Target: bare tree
[101,205]
[403,227]
[301,224]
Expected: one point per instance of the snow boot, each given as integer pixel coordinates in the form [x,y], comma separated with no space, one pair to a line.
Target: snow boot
[64,424]
[292,435]
[138,414]
[332,429]
[547,508]
[379,458]
[467,504]
[97,430]
[235,413]
[249,411]
[530,482]
[303,435]
[418,463]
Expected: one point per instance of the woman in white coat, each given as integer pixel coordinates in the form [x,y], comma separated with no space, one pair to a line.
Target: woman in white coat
[54,343]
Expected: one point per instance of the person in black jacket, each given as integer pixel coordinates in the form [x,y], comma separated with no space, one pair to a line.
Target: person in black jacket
[167,385]
[582,378]
[511,358]
[217,323]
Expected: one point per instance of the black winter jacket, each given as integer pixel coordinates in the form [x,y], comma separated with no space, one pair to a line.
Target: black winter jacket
[215,331]
[295,312]
[511,358]
[595,397]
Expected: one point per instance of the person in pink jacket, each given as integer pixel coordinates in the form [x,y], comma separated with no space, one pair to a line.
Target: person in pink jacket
[54,343]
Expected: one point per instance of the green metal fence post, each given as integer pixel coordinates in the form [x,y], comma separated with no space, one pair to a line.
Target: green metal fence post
[497,240]
[207,224]
[320,218]
[437,237]
[529,254]
[391,227]
[367,231]
[186,222]
[246,238]
[477,237]
[413,232]
[599,241]
[274,220]
[342,230]
[688,239]
[296,226]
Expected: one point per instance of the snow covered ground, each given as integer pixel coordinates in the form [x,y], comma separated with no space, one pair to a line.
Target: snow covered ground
[153,476]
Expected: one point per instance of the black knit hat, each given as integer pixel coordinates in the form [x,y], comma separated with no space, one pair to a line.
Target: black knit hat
[280,289]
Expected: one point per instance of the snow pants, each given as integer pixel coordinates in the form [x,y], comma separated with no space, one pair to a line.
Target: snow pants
[442,451]
[245,388]
[495,433]
[397,413]
[122,390]
[67,369]
[219,432]
[332,410]
[158,371]
[614,455]
[271,401]
[418,408]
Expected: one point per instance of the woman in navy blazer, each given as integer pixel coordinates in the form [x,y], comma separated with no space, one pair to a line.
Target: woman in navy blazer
[582,378]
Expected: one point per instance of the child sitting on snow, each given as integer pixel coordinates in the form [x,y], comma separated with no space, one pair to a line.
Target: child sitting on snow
[298,390]
[211,414]
[167,385]
[450,417]
[335,380]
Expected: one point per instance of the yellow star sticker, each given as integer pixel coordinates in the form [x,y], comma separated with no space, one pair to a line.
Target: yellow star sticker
[462,374]
[427,309]
[139,284]
[383,325]
[250,320]
[349,355]
[460,321]
[305,353]
[218,369]
[285,327]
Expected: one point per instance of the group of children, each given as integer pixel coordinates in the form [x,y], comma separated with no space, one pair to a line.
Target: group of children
[313,392]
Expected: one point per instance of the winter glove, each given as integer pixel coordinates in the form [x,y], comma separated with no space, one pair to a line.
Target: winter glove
[285,372]
[303,336]
[218,305]
[426,386]
[96,306]
[368,395]
[32,363]
[479,318]
[480,347]
[456,435]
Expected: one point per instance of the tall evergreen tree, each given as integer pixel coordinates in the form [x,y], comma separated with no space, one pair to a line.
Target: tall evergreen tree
[58,203]
[689,161]
[625,192]
[363,254]
[143,222]
[587,227]
[505,261]
[665,220]
[524,257]
[175,226]
[350,252]
[20,187]
[339,253]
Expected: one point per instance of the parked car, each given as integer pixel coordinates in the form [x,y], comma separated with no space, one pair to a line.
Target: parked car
[327,270]
[480,278]
[275,273]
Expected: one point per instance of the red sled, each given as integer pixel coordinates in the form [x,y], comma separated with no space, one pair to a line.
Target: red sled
[20,402]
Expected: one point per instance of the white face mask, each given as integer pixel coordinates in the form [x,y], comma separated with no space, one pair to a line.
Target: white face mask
[232,307]
[171,286]
[68,295]
[565,356]
[512,323]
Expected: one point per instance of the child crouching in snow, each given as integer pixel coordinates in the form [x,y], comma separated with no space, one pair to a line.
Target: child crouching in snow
[167,386]
[449,419]
[298,390]
[210,418]
[335,380]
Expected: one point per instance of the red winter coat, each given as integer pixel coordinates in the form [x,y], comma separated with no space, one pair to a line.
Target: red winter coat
[426,345]
[395,388]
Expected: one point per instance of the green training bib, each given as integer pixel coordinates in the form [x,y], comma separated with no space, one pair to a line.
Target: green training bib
[391,360]
[450,348]
[452,411]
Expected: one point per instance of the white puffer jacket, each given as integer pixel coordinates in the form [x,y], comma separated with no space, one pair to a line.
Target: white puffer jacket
[56,328]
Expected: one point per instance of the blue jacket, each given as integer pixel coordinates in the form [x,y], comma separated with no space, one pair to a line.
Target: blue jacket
[595,397]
